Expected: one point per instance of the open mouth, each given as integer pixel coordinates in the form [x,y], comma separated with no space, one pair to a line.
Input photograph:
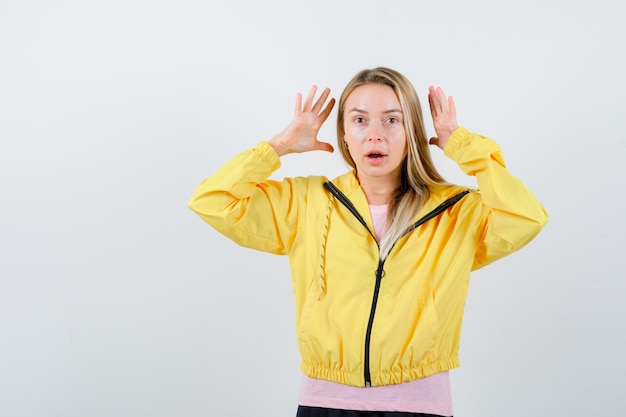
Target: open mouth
[375,158]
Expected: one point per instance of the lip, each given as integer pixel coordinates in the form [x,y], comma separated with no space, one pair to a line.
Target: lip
[375,160]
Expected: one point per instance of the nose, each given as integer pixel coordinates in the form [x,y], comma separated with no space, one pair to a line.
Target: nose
[375,133]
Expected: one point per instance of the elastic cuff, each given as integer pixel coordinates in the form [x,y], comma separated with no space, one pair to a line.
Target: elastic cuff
[268,154]
[457,139]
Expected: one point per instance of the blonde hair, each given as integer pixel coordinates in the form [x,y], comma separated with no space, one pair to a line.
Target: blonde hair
[418,172]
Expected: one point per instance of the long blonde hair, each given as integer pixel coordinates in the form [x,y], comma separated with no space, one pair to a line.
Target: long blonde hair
[418,172]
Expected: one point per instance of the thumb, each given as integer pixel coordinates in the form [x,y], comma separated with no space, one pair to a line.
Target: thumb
[438,142]
[324,146]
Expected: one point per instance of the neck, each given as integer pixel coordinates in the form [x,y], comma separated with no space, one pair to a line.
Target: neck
[378,191]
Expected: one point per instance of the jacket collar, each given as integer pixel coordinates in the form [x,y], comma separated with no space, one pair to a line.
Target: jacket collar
[349,185]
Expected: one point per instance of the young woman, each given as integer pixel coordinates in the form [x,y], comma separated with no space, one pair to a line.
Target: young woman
[380,256]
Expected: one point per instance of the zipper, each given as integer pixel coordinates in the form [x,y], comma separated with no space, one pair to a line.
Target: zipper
[346,202]
[436,211]
[380,272]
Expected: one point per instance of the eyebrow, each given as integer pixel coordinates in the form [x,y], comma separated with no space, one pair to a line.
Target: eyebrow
[357,110]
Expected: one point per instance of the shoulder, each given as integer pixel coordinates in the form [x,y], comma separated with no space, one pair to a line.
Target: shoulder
[440,193]
[347,182]
[467,197]
[307,187]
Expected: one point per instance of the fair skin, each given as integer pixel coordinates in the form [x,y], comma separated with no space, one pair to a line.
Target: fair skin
[443,112]
[374,132]
[376,140]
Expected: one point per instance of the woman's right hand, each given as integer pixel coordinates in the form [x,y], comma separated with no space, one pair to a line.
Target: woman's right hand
[301,134]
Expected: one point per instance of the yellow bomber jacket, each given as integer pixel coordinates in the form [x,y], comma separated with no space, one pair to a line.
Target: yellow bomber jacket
[359,320]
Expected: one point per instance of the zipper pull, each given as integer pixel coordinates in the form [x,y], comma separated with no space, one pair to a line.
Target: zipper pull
[380,272]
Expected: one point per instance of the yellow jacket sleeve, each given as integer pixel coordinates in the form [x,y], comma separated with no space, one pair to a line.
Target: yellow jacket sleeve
[241,203]
[512,216]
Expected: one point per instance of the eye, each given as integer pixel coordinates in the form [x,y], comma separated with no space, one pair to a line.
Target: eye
[359,120]
[392,120]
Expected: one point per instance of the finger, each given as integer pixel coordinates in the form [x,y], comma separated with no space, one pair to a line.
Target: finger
[443,101]
[309,98]
[433,141]
[452,107]
[436,110]
[329,107]
[298,107]
[435,96]
[431,103]
[320,101]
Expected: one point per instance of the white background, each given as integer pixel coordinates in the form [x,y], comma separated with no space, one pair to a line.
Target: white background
[116,300]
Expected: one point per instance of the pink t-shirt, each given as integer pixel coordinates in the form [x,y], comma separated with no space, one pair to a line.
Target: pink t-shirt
[430,395]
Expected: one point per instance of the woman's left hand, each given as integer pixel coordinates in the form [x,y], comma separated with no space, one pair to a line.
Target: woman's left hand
[443,112]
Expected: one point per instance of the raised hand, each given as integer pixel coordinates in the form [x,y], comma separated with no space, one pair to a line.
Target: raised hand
[301,134]
[443,112]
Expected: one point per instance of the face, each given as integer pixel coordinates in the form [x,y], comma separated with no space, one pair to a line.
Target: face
[374,132]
